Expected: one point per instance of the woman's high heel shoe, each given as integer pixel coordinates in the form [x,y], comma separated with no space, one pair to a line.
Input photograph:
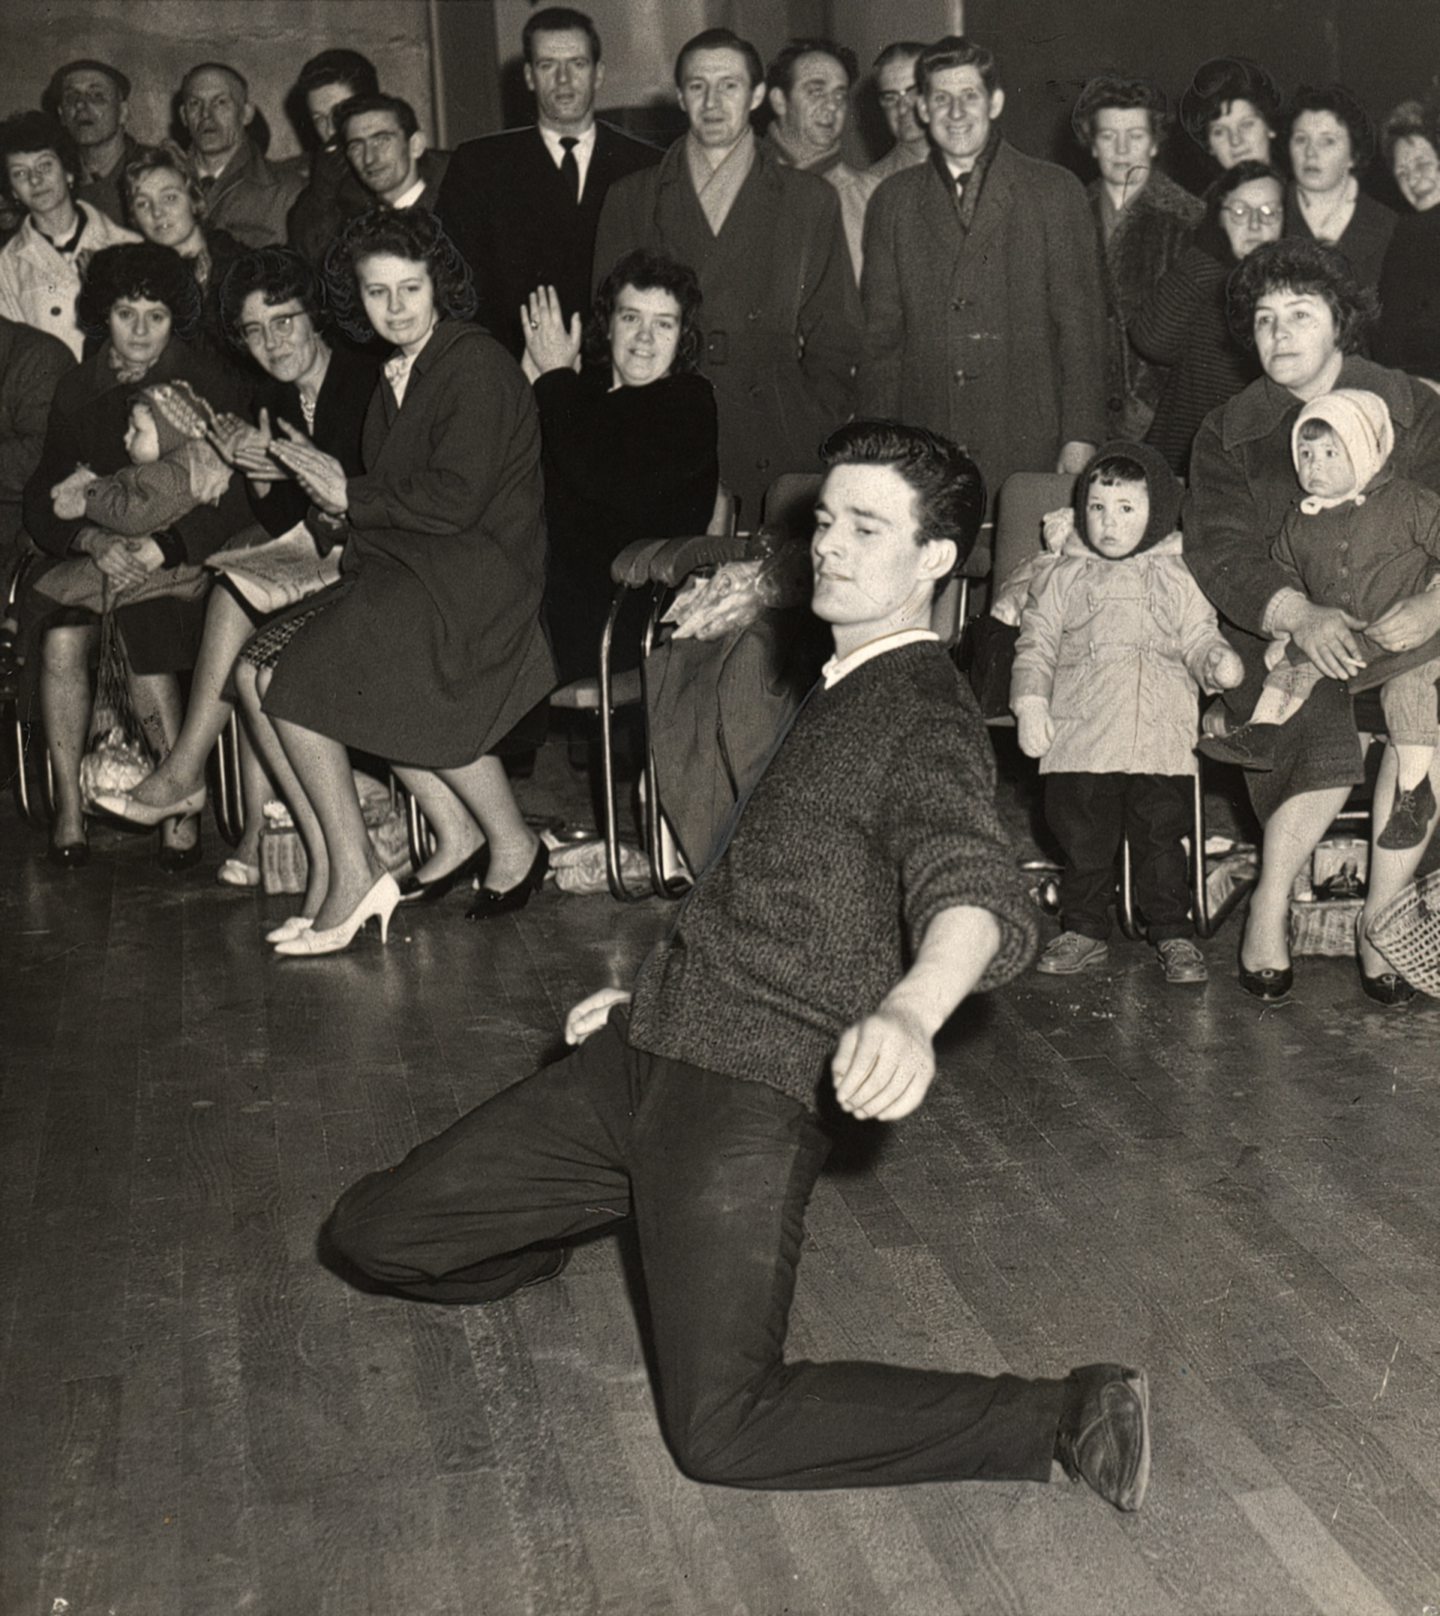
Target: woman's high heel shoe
[123,805]
[288,930]
[489,904]
[414,890]
[379,901]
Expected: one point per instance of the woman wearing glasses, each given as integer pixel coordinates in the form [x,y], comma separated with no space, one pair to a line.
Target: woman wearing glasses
[1182,323]
[1408,335]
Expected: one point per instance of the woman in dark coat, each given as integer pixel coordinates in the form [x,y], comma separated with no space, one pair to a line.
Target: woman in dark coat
[1408,333]
[143,301]
[430,648]
[1306,314]
[167,206]
[629,442]
[1183,323]
[272,307]
[1332,143]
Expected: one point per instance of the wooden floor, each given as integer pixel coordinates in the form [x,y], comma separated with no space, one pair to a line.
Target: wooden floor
[200,1420]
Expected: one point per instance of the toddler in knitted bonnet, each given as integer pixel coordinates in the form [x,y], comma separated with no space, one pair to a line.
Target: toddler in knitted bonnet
[1361,539]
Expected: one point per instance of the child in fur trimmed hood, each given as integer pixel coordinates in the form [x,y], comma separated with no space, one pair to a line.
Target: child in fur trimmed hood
[1115,641]
[1361,539]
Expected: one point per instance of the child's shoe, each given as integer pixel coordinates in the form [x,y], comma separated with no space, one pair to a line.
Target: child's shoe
[1409,818]
[1182,960]
[1252,746]
[1070,952]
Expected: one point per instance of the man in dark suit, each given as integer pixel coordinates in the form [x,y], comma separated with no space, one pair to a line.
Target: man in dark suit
[781,315]
[380,136]
[984,310]
[523,205]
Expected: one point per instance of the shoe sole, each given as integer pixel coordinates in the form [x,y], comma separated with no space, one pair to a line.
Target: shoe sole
[1071,970]
[1139,1382]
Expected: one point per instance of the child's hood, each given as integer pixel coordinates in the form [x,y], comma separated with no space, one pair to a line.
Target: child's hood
[1362,423]
[1161,485]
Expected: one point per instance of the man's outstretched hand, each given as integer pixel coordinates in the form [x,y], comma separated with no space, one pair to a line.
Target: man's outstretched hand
[591,1014]
[883,1066]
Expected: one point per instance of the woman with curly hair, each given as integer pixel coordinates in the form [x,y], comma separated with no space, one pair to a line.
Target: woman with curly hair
[1300,305]
[430,648]
[1232,110]
[142,302]
[629,440]
[1332,142]
[1408,334]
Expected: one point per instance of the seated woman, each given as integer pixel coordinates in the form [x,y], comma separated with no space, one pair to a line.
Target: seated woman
[1332,143]
[1182,324]
[1232,110]
[1306,314]
[272,309]
[167,206]
[143,301]
[1408,332]
[430,648]
[629,442]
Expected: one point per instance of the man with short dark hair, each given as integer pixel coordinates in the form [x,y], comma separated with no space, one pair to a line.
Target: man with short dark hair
[781,315]
[92,101]
[382,141]
[523,206]
[244,193]
[895,88]
[808,88]
[333,194]
[984,314]
[691,1104]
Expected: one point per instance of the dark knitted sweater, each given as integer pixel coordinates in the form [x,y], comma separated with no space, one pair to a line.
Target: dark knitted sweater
[1408,335]
[876,812]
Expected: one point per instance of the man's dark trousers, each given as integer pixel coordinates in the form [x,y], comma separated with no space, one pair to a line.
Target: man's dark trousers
[716,1172]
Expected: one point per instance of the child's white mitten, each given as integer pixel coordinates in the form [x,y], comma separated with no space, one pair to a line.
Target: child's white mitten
[1032,720]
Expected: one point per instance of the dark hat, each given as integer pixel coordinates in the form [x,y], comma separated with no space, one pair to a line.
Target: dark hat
[1221,80]
[1161,484]
[86,65]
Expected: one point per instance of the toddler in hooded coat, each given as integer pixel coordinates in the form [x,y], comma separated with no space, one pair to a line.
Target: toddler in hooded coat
[1362,539]
[1116,640]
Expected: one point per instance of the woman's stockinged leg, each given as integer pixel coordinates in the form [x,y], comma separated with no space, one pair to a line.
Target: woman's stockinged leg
[484,788]
[251,684]
[65,709]
[256,789]
[1391,869]
[1291,834]
[227,628]
[454,827]
[157,706]
[322,766]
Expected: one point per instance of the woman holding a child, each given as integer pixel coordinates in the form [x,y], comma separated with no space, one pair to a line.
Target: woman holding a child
[1301,306]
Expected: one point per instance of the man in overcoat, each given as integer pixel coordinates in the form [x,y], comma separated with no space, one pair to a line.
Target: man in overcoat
[245,193]
[522,206]
[984,308]
[781,314]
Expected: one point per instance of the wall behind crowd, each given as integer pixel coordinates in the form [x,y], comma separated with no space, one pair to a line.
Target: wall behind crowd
[267,40]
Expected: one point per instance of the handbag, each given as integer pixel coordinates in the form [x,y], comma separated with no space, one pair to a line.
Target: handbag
[118,756]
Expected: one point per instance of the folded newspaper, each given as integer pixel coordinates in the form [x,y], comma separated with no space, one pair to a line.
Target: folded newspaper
[277,574]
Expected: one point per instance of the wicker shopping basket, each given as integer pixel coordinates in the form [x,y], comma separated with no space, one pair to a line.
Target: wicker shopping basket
[1407,933]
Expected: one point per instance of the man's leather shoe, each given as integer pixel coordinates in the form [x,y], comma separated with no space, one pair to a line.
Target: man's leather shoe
[1104,1434]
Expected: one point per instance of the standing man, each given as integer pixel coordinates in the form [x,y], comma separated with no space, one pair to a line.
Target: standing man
[332,194]
[984,313]
[808,88]
[523,206]
[895,86]
[691,1105]
[92,101]
[781,315]
[380,136]
[244,194]
[1143,222]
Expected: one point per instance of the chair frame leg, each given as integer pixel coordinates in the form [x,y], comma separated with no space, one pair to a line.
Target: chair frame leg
[616,880]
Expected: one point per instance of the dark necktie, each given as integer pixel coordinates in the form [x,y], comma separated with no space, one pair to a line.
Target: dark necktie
[207,183]
[570,167]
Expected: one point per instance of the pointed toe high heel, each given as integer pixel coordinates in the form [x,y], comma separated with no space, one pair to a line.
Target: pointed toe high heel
[414,890]
[488,904]
[379,901]
[288,930]
[122,805]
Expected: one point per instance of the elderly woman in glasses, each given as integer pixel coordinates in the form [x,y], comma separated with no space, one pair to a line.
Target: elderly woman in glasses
[1408,333]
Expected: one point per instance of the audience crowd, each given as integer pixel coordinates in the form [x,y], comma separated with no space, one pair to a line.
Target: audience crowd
[456,385]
